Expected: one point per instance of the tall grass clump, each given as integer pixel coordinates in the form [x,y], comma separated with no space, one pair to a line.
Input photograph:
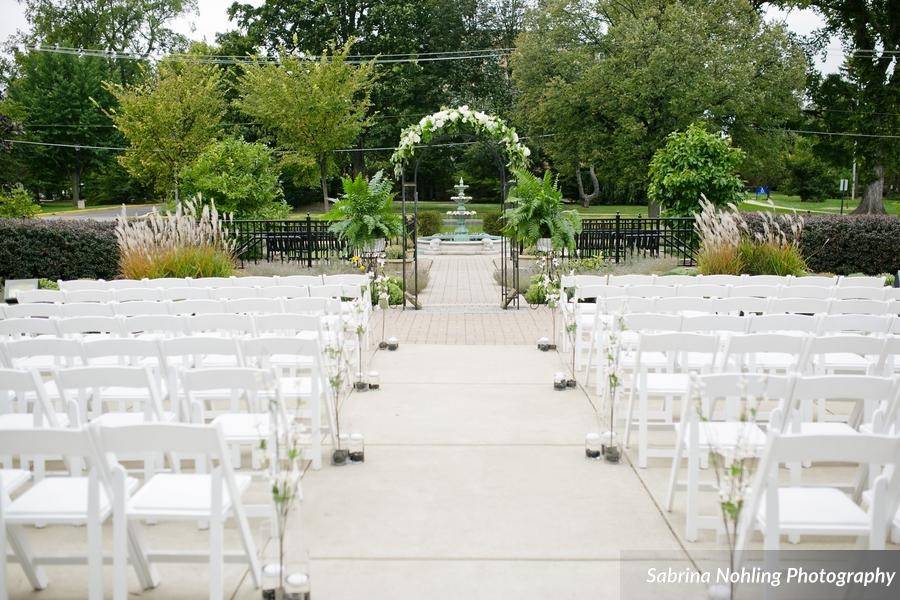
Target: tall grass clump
[192,241]
[728,245]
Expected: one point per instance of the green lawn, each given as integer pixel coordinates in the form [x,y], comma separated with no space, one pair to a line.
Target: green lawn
[785,203]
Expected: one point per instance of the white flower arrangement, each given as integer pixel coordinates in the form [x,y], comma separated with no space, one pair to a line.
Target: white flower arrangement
[450,118]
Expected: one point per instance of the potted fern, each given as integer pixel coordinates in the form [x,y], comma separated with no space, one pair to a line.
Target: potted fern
[364,215]
[537,217]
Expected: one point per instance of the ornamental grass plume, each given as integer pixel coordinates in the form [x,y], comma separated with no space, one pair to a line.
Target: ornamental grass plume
[720,235]
[192,241]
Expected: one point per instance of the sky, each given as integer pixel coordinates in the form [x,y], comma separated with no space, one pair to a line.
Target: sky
[212,18]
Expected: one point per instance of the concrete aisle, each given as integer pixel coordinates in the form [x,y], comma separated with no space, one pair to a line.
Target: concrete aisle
[474,486]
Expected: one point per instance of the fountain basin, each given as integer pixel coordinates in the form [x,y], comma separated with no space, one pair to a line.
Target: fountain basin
[453,243]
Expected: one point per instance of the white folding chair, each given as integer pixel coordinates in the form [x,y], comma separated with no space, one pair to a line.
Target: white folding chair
[315,306]
[170,282]
[46,296]
[844,353]
[804,306]
[326,291]
[889,365]
[284,291]
[154,326]
[69,500]
[255,281]
[730,431]
[27,327]
[729,280]
[43,353]
[114,395]
[232,293]
[867,281]
[196,307]
[89,296]
[783,323]
[196,352]
[127,284]
[818,280]
[651,291]
[90,327]
[74,285]
[220,324]
[778,509]
[255,306]
[831,394]
[714,323]
[860,293]
[862,324]
[684,305]
[756,290]
[211,494]
[668,280]
[299,280]
[633,279]
[740,305]
[668,382]
[703,291]
[88,309]
[20,388]
[133,294]
[859,307]
[807,291]
[286,324]
[765,352]
[33,310]
[186,293]
[141,308]
[213,282]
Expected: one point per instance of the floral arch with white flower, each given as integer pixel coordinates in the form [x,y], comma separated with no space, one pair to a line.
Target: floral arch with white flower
[449,121]
[445,123]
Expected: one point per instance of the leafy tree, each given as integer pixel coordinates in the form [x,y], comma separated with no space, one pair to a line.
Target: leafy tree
[692,163]
[865,96]
[809,176]
[169,120]
[608,80]
[313,108]
[365,211]
[17,203]
[59,99]
[241,177]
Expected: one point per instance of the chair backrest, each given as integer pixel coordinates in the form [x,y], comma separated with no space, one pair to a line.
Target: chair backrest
[769,280]
[783,322]
[720,279]
[177,438]
[889,364]
[230,323]
[195,350]
[855,323]
[51,296]
[27,327]
[196,307]
[132,351]
[165,325]
[186,293]
[213,282]
[301,280]
[347,279]
[859,307]
[703,291]
[316,306]
[62,351]
[867,281]
[97,379]
[139,293]
[624,304]
[326,291]
[678,342]
[868,347]
[245,383]
[255,305]
[741,393]
[27,382]
[741,304]
[587,292]
[257,281]
[672,280]
[860,292]
[88,309]
[742,350]
[72,285]
[798,305]
[126,284]
[631,279]
[714,323]
[305,350]
[651,291]
[170,282]
[67,442]
[806,291]
[680,305]
[647,322]
[284,291]
[843,387]
[287,323]
[33,310]
[232,293]
[807,280]
[141,307]
[89,296]
[756,290]
[573,281]
[78,326]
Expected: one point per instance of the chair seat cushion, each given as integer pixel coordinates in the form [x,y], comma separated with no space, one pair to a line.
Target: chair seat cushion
[844,361]
[243,427]
[180,496]
[825,510]
[666,383]
[58,500]
[26,420]
[819,428]
[727,435]
[13,479]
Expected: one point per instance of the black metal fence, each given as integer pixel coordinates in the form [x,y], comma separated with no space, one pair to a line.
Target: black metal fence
[619,238]
[307,241]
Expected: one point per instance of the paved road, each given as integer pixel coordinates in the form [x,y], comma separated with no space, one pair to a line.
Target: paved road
[104,214]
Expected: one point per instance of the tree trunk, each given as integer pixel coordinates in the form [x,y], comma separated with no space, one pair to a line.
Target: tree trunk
[323,177]
[586,199]
[357,161]
[872,202]
[76,186]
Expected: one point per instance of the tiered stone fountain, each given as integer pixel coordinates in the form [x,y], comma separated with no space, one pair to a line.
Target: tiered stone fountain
[460,241]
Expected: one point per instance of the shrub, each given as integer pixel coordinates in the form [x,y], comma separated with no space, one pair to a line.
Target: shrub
[58,249]
[429,222]
[694,163]
[17,203]
[808,176]
[767,258]
[190,242]
[365,211]
[240,177]
[393,252]
[722,260]
[492,224]
[842,245]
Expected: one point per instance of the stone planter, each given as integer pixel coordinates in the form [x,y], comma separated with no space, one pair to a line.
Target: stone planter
[544,245]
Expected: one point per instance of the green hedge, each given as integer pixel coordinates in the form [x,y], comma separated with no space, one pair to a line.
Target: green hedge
[58,249]
[867,244]
[492,223]
[429,222]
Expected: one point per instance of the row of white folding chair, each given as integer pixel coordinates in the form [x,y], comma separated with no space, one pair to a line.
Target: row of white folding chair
[662,362]
[214,282]
[163,325]
[704,428]
[322,305]
[189,293]
[727,291]
[212,493]
[733,280]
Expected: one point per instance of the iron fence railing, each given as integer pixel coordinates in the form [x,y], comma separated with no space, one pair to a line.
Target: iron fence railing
[619,238]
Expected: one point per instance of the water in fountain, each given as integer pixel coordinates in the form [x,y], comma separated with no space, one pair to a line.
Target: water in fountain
[461,213]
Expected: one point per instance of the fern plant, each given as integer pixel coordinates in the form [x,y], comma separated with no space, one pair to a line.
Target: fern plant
[537,212]
[364,213]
